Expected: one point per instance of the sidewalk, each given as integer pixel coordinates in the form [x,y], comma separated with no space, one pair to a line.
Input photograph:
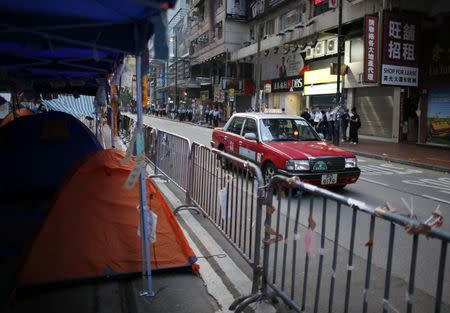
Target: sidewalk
[433,158]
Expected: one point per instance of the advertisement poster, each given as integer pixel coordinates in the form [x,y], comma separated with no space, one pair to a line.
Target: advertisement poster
[237,9]
[258,8]
[438,121]
[281,65]
[401,44]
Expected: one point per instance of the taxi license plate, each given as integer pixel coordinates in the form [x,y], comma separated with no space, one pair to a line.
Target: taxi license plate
[329,179]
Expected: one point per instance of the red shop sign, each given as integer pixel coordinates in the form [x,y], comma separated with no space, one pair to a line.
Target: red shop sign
[371,49]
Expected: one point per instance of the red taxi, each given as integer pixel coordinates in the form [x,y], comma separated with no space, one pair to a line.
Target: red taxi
[287,145]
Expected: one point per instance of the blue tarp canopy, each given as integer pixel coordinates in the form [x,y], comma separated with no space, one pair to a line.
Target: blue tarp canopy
[75,42]
[82,106]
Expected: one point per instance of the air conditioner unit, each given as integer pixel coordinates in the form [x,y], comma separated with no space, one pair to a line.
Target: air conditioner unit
[319,50]
[309,53]
[332,46]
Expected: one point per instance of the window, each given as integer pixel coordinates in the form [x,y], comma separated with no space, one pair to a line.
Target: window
[289,19]
[252,33]
[250,127]
[356,50]
[219,30]
[270,27]
[287,130]
[236,125]
[320,6]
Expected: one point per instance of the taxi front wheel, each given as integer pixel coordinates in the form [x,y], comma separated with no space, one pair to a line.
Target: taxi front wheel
[269,170]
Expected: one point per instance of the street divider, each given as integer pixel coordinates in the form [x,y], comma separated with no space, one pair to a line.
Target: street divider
[321,251]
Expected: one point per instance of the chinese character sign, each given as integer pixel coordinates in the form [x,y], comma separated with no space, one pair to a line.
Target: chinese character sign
[400,49]
[371,49]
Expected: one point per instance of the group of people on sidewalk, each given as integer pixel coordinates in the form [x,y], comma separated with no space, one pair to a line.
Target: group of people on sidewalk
[324,121]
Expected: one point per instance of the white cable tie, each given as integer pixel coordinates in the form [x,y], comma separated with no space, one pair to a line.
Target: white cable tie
[350,268]
[365,295]
[360,204]
[333,274]
[321,251]
[409,298]
[296,236]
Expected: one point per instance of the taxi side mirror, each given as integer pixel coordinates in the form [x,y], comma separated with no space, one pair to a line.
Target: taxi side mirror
[251,136]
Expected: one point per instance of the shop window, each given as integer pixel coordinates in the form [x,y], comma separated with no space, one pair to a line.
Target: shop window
[356,50]
[320,6]
[289,19]
[270,27]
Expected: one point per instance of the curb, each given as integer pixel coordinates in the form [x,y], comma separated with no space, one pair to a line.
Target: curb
[363,154]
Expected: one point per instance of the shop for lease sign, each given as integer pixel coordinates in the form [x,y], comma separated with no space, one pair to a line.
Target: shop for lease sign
[400,50]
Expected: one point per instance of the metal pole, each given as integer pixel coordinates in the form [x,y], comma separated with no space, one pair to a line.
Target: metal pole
[176,71]
[337,122]
[145,213]
[258,67]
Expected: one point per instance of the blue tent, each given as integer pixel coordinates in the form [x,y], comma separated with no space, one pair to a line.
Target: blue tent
[38,151]
[76,42]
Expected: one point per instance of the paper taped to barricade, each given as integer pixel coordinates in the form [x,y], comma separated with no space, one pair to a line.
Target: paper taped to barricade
[131,146]
[150,226]
[223,198]
[309,242]
[135,172]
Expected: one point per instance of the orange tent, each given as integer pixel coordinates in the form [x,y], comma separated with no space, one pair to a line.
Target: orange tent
[92,229]
[19,113]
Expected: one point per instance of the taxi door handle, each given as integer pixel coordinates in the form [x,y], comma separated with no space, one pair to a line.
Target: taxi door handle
[225,138]
[240,143]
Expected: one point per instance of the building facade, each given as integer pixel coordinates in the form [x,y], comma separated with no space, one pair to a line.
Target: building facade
[395,58]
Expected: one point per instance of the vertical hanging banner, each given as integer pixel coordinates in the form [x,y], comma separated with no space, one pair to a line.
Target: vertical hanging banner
[401,42]
[371,49]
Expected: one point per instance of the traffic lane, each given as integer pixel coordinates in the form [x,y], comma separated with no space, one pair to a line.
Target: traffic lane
[376,175]
[198,134]
[415,181]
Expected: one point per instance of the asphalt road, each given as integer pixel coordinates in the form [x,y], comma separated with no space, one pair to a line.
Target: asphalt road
[407,188]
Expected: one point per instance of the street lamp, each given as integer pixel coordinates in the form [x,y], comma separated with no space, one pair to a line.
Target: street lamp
[174,40]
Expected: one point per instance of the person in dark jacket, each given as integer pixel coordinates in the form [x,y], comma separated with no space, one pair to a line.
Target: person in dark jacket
[355,124]
[306,115]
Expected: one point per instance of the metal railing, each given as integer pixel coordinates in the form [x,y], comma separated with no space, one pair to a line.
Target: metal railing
[356,263]
[322,252]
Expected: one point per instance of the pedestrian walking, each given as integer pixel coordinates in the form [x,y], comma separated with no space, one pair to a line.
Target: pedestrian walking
[317,118]
[344,124]
[355,124]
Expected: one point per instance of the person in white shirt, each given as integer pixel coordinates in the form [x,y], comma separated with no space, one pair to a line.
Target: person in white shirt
[317,117]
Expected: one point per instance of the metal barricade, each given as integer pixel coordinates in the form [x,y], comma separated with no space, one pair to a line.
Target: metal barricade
[359,261]
[172,158]
[229,191]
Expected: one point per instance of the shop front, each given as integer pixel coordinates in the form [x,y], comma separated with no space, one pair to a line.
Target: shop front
[320,88]
[434,107]
[283,82]
[285,93]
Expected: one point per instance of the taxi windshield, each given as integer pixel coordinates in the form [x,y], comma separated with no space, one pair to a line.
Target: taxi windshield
[287,130]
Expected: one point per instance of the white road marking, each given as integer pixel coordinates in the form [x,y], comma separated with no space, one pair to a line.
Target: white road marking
[373,181]
[436,199]
[442,183]
[387,169]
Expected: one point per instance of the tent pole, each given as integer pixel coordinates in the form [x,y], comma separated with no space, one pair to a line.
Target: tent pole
[145,212]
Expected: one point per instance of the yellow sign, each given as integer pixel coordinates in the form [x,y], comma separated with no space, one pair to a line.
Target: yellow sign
[321,76]
[231,92]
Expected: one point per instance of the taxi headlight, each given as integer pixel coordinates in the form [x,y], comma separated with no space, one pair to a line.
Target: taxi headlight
[350,162]
[297,165]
